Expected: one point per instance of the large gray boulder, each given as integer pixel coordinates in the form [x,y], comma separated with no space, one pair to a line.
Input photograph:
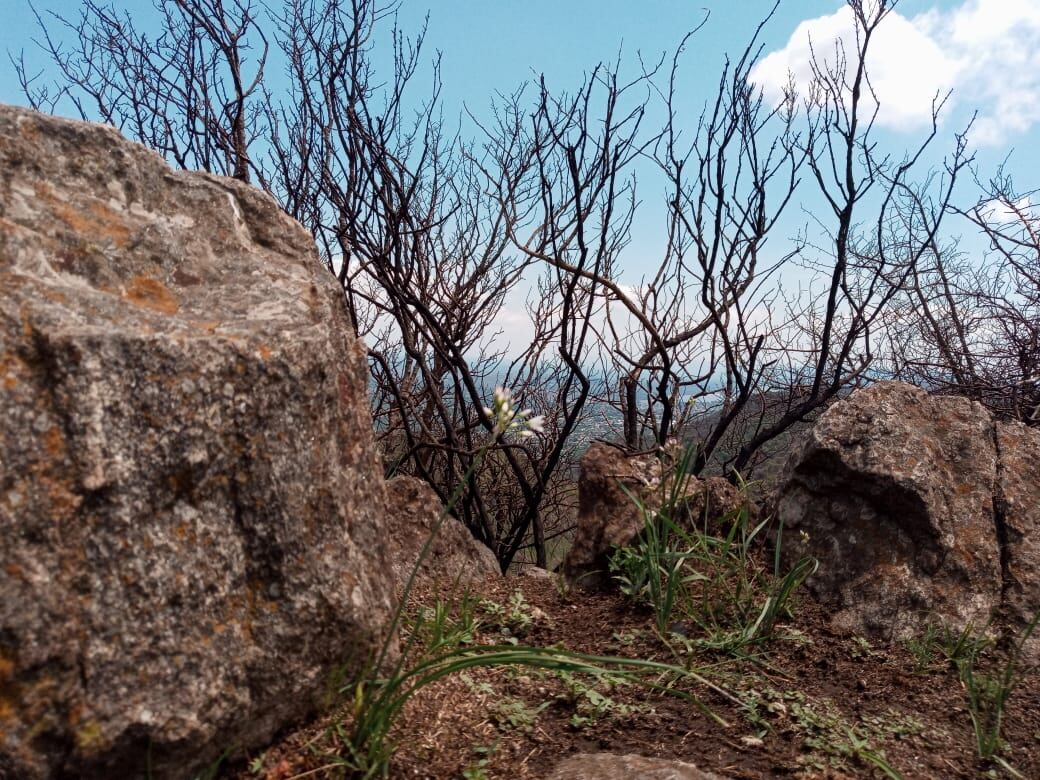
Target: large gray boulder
[919,508]
[191,504]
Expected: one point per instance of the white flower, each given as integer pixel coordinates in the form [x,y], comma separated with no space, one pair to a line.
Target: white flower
[503,398]
[505,418]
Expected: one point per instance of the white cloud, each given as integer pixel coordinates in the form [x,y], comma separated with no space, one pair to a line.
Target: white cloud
[999,50]
[905,91]
[986,51]
[999,212]
[514,322]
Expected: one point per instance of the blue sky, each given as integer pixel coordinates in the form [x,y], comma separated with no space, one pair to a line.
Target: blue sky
[986,51]
[490,45]
[496,44]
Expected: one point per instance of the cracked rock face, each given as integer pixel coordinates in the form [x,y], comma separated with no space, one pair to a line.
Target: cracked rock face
[1018,509]
[918,508]
[190,499]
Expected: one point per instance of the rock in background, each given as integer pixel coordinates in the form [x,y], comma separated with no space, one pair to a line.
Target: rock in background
[919,508]
[1017,513]
[609,517]
[191,505]
[608,766]
[454,557]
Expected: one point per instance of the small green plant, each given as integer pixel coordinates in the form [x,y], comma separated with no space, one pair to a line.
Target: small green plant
[512,714]
[446,624]
[561,584]
[830,739]
[940,646]
[924,649]
[440,645]
[704,578]
[593,702]
[626,638]
[478,688]
[862,649]
[515,619]
[209,773]
[650,571]
[591,698]
[892,724]
[478,769]
[988,694]
[257,765]
[964,645]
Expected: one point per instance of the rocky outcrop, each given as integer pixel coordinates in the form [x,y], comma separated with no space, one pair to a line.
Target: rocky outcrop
[191,505]
[711,500]
[454,556]
[609,517]
[1017,514]
[608,766]
[918,508]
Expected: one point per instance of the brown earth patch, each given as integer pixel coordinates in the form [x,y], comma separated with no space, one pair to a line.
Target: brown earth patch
[793,711]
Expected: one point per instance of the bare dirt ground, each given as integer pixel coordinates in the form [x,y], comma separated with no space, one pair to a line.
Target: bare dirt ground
[811,704]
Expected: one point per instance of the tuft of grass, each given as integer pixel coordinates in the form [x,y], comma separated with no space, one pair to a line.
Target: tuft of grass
[940,646]
[709,580]
[441,645]
[988,693]
[987,687]
[651,570]
[924,649]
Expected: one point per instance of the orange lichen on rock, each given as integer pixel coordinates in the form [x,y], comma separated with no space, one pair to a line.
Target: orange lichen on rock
[153,463]
[149,293]
[10,365]
[94,220]
[54,442]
